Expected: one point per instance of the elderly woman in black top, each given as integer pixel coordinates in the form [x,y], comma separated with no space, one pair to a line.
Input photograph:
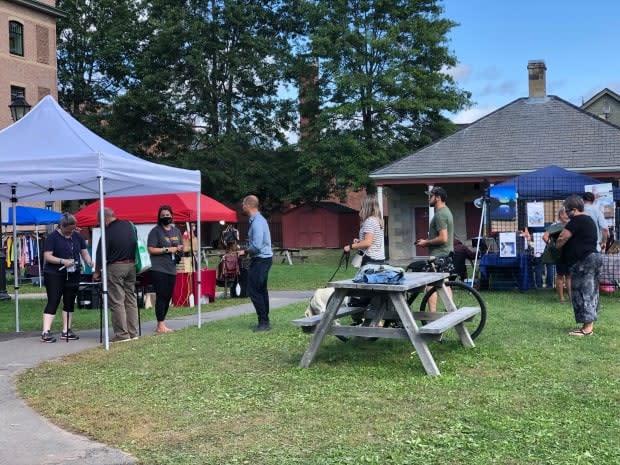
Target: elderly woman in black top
[578,241]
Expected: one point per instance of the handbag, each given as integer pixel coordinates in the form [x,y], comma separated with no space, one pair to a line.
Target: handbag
[143,258]
[551,255]
[356,261]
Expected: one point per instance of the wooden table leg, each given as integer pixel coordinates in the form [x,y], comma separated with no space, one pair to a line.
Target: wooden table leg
[446,298]
[323,327]
[419,343]
[461,330]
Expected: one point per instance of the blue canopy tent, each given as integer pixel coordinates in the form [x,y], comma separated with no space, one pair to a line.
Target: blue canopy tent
[33,216]
[548,183]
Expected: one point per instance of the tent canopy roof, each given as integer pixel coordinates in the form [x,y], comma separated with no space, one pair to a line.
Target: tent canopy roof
[549,183]
[32,215]
[143,209]
[49,155]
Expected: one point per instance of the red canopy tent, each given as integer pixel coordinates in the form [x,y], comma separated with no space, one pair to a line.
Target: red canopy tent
[143,209]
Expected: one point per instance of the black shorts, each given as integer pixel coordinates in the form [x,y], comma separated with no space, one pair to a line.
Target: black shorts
[444,264]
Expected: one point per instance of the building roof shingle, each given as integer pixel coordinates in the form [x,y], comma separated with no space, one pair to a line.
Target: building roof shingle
[526,134]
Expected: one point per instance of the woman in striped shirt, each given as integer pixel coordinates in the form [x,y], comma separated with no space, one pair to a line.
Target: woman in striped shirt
[371,235]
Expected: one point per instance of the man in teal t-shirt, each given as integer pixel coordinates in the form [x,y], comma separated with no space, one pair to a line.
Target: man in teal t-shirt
[441,230]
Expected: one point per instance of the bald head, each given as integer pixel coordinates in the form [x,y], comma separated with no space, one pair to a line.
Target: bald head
[250,205]
[108,215]
[251,201]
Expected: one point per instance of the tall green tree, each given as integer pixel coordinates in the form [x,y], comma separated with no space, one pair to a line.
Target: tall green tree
[205,92]
[96,51]
[382,86]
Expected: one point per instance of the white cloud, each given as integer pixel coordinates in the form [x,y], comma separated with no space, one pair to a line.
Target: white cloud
[489,74]
[461,72]
[504,88]
[471,115]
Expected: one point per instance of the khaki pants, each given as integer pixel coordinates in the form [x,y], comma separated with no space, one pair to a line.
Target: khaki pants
[122,299]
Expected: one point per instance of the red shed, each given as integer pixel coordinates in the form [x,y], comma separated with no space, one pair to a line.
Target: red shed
[320,224]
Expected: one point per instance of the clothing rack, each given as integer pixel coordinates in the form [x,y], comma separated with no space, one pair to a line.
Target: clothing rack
[35,255]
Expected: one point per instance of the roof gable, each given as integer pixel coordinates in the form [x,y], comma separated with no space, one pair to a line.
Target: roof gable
[606,92]
[526,134]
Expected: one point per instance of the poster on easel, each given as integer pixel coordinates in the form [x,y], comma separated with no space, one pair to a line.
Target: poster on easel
[604,200]
[507,244]
[535,215]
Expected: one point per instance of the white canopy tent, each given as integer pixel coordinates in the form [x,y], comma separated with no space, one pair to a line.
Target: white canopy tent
[48,155]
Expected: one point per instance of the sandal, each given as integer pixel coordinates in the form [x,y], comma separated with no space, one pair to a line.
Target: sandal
[580,333]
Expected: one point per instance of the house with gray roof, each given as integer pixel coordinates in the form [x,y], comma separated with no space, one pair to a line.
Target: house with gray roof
[605,104]
[523,136]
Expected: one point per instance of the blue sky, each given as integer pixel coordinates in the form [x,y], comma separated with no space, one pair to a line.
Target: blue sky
[578,40]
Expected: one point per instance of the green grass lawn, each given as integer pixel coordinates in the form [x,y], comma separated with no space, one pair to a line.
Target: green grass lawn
[318,268]
[527,394]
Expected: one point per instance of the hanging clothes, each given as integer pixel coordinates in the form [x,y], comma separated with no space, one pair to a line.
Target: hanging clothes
[9,252]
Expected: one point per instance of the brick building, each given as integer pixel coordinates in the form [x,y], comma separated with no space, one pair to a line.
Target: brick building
[27,52]
[27,57]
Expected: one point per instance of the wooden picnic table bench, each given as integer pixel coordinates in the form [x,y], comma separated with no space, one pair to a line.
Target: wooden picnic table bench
[288,254]
[309,323]
[207,252]
[388,301]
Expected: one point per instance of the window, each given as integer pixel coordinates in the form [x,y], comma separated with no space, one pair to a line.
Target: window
[16,38]
[17,92]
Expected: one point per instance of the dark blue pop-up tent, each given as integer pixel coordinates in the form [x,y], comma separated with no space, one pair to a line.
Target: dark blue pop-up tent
[32,215]
[548,183]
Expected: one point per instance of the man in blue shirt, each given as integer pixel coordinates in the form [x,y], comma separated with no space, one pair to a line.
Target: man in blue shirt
[259,249]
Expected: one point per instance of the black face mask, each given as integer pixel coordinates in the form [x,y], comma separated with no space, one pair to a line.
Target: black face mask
[165,220]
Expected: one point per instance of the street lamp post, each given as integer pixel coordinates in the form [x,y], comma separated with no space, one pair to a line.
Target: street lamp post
[19,107]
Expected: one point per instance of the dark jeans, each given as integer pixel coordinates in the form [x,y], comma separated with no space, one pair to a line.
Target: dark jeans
[366,260]
[61,285]
[163,283]
[257,287]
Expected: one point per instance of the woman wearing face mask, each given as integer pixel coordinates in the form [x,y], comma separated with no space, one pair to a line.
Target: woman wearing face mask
[164,242]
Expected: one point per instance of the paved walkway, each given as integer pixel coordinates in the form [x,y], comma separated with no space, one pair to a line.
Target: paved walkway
[29,439]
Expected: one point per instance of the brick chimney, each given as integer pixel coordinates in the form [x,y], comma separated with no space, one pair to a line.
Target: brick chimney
[536,72]
[308,96]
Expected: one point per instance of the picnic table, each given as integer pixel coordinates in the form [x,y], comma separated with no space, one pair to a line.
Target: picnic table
[389,301]
[210,252]
[288,254]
